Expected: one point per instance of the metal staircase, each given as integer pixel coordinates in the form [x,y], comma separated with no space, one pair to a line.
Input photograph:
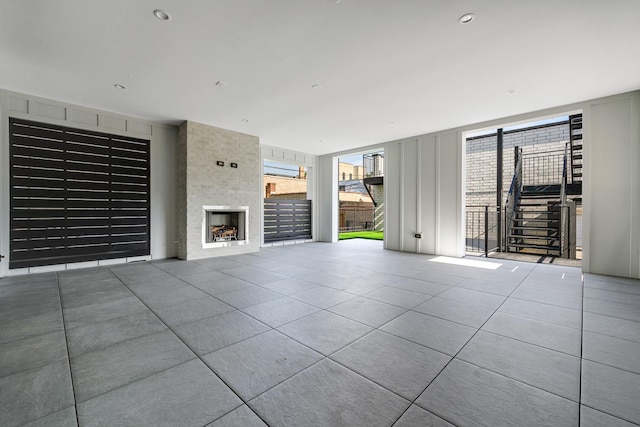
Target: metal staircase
[537,219]
[575,145]
[535,227]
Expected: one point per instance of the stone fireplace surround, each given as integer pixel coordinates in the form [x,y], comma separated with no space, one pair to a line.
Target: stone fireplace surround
[202,183]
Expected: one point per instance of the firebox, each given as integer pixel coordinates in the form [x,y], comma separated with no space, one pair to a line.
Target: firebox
[225,226]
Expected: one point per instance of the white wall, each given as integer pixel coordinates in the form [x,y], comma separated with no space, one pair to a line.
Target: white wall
[612,190]
[425,187]
[327,199]
[423,183]
[163,166]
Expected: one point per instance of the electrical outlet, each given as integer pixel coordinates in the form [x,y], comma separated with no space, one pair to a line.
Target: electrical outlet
[418,235]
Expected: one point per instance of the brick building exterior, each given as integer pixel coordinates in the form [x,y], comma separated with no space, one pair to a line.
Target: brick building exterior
[481,162]
[284,187]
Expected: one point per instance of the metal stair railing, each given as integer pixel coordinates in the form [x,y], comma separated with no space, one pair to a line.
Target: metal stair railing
[564,210]
[513,199]
[543,168]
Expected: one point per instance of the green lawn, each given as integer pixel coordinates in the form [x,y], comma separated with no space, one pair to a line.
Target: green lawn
[373,235]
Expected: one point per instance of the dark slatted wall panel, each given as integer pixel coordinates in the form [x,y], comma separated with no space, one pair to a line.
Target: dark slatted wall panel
[76,195]
[286,219]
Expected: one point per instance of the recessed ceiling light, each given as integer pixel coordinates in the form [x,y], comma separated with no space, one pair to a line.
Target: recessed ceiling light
[119,86]
[220,83]
[245,121]
[316,87]
[466,18]
[510,91]
[162,15]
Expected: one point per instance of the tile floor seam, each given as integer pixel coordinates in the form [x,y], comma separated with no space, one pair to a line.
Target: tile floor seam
[608,335]
[247,339]
[611,415]
[330,357]
[530,343]
[291,321]
[53,413]
[248,402]
[186,323]
[406,310]
[196,356]
[38,366]
[546,303]
[345,367]
[366,377]
[581,350]
[462,347]
[137,380]
[395,305]
[610,366]
[519,380]
[503,376]
[66,338]
[128,340]
[540,320]
[318,351]
[442,318]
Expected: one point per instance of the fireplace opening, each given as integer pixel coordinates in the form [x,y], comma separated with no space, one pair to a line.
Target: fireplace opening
[224,225]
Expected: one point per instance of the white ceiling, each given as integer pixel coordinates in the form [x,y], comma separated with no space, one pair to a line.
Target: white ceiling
[387,68]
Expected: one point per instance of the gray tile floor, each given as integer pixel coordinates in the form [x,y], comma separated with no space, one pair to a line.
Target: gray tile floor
[320,334]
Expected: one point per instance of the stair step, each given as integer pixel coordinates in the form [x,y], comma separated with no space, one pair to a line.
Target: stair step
[549,194]
[520,227]
[577,146]
[577,175]
[526,246]
[534,220]
[530,237]
[531,195]
[534,197]
[539,205]
[577,156]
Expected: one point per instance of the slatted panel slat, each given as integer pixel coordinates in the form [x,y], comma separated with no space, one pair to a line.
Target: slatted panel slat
[286,219]
[76,195]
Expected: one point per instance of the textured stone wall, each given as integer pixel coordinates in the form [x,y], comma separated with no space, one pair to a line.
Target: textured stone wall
[201,182]
[481,164]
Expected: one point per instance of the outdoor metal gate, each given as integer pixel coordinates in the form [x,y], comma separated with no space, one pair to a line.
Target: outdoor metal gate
[286,219]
